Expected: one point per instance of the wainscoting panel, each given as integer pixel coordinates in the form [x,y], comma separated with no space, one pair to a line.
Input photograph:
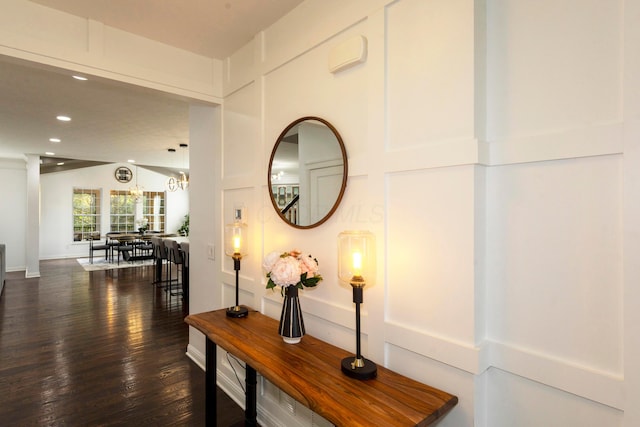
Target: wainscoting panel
[430,270]
[514,400]
[240,163]
[570,376]
[535,88]
[439,375]
[430,58]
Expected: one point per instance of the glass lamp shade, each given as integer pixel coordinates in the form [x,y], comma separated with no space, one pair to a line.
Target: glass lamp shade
[356,257]
[236,239]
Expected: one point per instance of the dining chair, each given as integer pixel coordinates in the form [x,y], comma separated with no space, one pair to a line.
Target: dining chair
[146,248]
[93,237]
[112,241]
[125,246]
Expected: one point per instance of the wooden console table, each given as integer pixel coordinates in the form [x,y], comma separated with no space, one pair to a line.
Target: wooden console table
[310,373]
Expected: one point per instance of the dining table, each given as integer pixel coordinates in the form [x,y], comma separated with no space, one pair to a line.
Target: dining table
[136,241]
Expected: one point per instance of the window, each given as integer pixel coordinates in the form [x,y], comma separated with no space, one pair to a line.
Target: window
[86,213]
[153,210]
[123,208]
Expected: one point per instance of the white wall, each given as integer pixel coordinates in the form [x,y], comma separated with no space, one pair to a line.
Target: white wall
[13,214]
[486,145]
[56,191]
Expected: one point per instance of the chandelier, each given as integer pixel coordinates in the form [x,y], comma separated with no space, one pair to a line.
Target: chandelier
[173,183]
[137,191]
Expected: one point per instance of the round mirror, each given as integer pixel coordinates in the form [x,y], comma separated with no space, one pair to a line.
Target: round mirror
[307,172]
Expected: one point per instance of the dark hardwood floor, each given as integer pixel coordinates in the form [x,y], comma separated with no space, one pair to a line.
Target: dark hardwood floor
[103,348]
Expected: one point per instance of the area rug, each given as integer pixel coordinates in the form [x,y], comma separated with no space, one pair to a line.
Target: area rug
[102,264]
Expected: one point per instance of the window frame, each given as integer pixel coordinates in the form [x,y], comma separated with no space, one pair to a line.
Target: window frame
[88,223]
[125,219]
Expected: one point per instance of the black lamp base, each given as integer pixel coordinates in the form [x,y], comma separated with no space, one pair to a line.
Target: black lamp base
[237,311]
[366,372]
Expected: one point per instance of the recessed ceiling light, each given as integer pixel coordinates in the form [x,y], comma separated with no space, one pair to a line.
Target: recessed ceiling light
[49,153]
[54,139]
[64,118]
[80,78]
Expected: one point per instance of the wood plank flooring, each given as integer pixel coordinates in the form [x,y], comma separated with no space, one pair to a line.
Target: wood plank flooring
[102,348]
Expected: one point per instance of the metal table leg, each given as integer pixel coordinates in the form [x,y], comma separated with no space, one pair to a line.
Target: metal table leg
[250,410]
[211,399]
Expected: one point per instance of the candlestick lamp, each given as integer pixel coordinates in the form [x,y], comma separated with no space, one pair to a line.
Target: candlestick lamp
[356,266]
[235,244]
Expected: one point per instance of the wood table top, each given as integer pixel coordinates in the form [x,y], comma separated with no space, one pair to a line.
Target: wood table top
[310,373]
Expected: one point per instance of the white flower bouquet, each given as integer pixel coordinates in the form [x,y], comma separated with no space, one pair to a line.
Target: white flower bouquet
[291,268]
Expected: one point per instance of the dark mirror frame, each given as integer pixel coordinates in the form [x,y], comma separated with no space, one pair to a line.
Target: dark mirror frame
[345,170]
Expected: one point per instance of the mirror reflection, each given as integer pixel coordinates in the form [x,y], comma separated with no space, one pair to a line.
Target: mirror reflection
[307,172]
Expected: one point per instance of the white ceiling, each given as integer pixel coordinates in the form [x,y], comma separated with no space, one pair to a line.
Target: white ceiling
[115,122]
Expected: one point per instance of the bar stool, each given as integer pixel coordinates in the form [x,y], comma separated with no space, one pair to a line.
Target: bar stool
[175,257]
[160,258]
[184,247]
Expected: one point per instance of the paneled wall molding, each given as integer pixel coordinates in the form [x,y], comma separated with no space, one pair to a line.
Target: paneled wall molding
[239,69]
[268,66]
[239,183]
[280,48]
[586,141]
[492,106]
[436,154]
[595,140]
[229,278]
[593,384]
[246,289]
[457,354]
[35,33]
[599,386]
[236,89]
[603,387]
[121,72]
[229,294]
[273,48]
